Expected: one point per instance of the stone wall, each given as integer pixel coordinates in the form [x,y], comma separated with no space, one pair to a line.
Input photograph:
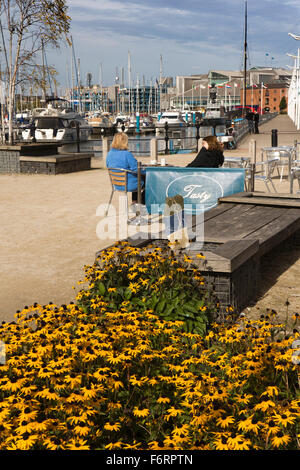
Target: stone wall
[9,161]
[41,158]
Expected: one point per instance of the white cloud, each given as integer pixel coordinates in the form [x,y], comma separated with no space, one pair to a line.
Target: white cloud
[186,33]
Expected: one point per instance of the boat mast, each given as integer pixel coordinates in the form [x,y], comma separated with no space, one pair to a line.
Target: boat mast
[245,59]
[129,80]
[101,89]
[160,80]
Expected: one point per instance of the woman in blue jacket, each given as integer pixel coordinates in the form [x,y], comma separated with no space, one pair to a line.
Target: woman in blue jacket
[120,157]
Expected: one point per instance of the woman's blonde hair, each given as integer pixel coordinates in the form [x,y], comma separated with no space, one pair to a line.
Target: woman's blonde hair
[213,143]
[120,141]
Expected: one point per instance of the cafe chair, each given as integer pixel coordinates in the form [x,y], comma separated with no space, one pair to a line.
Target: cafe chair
[285,154]
[118,180]
[295,173]
[267,170]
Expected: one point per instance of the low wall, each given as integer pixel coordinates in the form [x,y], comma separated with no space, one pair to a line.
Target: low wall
[41,158]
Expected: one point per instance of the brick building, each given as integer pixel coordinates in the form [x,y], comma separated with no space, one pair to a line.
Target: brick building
[266,96]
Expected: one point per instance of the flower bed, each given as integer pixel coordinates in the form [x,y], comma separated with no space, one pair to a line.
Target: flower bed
[138,363]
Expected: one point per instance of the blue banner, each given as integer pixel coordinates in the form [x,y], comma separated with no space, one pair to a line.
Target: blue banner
[200,187]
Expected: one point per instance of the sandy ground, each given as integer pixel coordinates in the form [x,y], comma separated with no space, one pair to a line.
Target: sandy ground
[48,233]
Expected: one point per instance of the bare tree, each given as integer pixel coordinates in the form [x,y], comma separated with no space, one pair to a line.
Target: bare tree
[28,26]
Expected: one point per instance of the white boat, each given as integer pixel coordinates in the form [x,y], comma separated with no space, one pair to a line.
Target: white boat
[99,122]
[57,124]
[213,111]
[174,119]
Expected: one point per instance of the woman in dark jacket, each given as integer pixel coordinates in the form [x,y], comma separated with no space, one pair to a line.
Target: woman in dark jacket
[211,154]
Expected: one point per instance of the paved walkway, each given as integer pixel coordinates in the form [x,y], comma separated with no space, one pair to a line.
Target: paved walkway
[48,232]
[287,134]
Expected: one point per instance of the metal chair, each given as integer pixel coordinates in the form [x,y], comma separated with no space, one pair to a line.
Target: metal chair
[118,179]
[286,154]
[268,167]
[295,173]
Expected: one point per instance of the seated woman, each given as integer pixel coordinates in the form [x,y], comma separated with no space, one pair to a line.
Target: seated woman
[211,154]
[120,157]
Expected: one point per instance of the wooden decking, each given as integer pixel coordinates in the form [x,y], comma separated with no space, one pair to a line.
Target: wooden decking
[266,218]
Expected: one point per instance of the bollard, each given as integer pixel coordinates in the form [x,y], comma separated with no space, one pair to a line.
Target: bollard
[153,149]
[252,177]
[104,147]
[252,150]
[274,138]
[197,133]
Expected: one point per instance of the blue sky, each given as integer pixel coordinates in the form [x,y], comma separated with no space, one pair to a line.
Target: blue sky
[193,36]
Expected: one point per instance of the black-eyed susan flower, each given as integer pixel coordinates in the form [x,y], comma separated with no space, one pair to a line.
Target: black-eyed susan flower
[140,413]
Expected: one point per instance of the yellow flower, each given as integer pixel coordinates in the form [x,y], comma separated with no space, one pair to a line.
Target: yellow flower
[265,405]
[172,412]
[280,440]
[77,444]
[114,445]
[140,413]
[112,427]
[284,419]
[225,422]
[27,441]
[270,391]
[221,443]
[47,394]
[163,400]
[250,424]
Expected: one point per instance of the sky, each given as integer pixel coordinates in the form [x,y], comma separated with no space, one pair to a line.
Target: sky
[191,36]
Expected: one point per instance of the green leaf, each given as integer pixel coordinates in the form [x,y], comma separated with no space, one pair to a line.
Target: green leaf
[127,294]
[101,288]
[160,306]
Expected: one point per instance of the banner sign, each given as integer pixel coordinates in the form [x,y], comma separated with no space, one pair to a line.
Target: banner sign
[200,187]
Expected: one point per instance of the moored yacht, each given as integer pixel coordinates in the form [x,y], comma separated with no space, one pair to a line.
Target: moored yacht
[174,119]
[56,124]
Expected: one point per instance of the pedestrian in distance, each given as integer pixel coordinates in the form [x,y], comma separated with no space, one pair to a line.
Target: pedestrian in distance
[210,155]
[250,119]
[256,121]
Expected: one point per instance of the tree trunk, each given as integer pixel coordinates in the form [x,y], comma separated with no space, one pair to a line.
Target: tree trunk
[10,113]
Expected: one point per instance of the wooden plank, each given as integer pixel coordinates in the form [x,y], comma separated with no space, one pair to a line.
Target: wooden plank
[279,196]
[238,251]
[270,201]
[278,230]
[211,261]
[216,211]
[220,218]
[259,194]
[240,223]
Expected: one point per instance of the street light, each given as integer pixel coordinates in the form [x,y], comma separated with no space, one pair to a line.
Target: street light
[294,36]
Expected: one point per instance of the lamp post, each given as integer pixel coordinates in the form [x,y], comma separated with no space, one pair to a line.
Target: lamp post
[294,90]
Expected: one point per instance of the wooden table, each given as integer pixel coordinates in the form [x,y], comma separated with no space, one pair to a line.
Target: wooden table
[237,233]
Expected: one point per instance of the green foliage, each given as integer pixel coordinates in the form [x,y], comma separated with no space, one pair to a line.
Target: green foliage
[171,288]
[282,104]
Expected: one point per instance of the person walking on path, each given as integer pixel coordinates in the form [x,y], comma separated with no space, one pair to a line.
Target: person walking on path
[250,119]
[211,154]
[256,121]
